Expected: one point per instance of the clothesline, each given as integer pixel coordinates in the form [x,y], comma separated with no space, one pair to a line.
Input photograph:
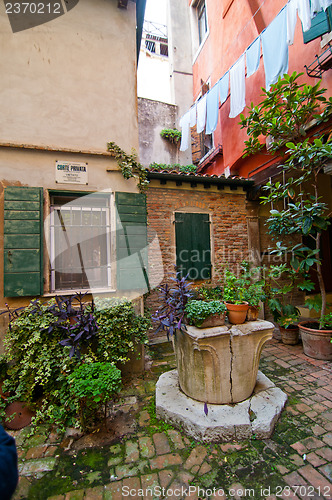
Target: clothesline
[274,41]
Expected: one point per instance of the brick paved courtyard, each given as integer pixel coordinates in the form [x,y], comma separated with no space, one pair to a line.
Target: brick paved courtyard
[149,459]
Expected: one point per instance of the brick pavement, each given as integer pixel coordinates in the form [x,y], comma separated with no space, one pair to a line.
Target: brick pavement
[152,458]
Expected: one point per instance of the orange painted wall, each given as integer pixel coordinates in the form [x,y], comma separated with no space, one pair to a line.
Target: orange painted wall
[229,35]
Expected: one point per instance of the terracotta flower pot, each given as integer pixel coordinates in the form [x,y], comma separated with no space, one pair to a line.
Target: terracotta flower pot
[237,313]
[316,343]
[289,336]
[252,313]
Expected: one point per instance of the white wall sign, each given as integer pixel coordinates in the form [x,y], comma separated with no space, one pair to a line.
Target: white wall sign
[71,173]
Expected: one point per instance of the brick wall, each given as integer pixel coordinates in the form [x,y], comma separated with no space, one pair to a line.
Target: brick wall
[228,229]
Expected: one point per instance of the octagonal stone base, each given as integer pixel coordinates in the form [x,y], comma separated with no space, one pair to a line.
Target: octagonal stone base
[256,415]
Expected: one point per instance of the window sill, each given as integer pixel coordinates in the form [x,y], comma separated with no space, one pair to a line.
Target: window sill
[87,291]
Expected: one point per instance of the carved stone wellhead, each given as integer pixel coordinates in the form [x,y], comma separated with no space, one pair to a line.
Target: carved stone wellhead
[219,365]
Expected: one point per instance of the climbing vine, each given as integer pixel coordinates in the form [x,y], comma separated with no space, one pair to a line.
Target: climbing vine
[130,166]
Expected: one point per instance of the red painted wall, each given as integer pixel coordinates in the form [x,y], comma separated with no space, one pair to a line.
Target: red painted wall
[230,33]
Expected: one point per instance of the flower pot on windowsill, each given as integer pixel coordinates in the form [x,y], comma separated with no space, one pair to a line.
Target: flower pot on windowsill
[290,335]
[316,343]
[237,313]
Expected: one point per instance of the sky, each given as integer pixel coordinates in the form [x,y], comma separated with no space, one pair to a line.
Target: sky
[156,11]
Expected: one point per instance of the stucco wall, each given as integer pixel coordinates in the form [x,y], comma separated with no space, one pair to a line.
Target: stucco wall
[67,88]
[153,117]
[71,82]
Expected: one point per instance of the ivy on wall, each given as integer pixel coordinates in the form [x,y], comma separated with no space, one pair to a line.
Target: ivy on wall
[129,165]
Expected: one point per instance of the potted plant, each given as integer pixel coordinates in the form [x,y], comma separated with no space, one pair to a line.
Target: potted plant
[235,289]
[287,320]
[317,342]
[280,282]
[205,314]
[286,114]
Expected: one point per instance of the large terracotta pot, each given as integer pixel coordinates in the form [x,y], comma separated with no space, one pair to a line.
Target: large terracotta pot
[219,365]
[316,343]
[289,336]
[237,313]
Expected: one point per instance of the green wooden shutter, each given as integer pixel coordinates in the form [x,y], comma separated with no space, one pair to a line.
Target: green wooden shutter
[23,252]
[320,25]
[131,241]
[193,249]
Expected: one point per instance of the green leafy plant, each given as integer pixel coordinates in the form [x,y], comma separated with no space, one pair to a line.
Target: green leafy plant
[92,385]
[171,134]
[205,292]
[129,165]
[285,114]
[327,322]
[280,281]
[235,288]
[120,329]
[39,363]
[186,169]
[198,310]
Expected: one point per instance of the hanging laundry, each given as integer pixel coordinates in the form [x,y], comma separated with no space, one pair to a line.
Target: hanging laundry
[302,9]
[185,131]
[193,115]
[237,87]
[318,5]
[212,109]
[253,56]
[201,114]
[223,87]
[275,48]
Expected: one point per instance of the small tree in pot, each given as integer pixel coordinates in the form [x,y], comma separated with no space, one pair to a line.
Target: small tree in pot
[285,114]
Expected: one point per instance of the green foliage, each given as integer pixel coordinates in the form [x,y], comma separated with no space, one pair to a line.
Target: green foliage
[120,329]
[38,366]
[171,134]
[284,115]
[204,292]
[198,310]
[92,384]
[129,165]
[327,322]
[186,169]
[248,286]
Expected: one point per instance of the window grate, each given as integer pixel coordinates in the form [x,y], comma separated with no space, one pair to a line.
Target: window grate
[80,246]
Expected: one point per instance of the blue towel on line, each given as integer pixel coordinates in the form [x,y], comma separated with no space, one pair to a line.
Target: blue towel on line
[275,48]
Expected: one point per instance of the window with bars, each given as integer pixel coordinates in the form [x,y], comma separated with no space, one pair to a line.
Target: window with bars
[80,243]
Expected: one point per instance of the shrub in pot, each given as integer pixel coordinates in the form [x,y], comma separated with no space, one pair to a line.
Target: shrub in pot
[205,314]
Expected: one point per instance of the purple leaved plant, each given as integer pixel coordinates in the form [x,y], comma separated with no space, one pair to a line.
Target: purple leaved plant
[170,316]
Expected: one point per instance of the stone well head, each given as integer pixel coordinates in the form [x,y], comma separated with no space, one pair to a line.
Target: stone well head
[219,365]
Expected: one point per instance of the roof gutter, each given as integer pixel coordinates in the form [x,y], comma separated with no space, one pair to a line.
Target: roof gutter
[197,179]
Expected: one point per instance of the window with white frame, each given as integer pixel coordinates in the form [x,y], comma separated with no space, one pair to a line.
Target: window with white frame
[202,20]
[80,242]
